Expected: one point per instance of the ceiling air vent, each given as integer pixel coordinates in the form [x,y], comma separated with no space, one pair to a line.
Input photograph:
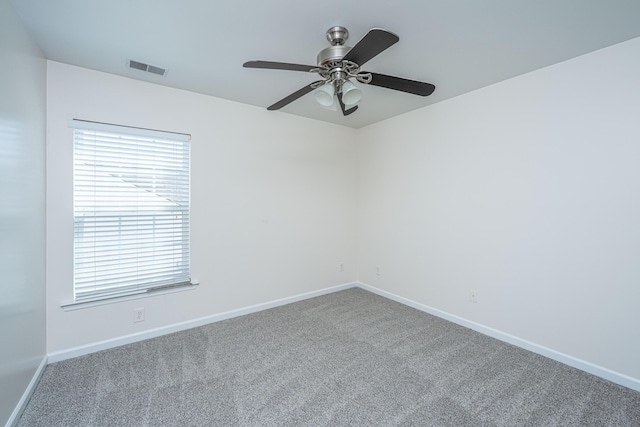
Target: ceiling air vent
[156,70]
[146,67]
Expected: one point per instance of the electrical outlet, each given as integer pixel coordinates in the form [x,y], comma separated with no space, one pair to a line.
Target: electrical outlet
[473,296]
[138,315]
[341,266]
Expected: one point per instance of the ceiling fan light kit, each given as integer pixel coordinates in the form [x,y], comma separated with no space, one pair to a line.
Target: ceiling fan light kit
[327,96]
[339,65]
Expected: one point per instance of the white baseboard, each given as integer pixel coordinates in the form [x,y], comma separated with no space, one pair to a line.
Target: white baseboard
[607,374]
[591,368]
[141,336]
[22,403]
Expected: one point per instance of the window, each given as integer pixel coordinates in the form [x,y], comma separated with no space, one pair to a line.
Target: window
[130,210]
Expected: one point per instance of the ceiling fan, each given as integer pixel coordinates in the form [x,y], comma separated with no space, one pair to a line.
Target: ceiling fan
[339,64]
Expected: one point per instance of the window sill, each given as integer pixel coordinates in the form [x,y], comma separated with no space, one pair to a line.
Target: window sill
[71,306]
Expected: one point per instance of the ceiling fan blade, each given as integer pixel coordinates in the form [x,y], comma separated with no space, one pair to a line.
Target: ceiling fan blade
[345,111]
[405,85]
[295,95]
[373,43]
[278,66]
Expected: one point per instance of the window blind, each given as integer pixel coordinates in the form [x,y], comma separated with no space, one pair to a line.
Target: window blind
[131,202]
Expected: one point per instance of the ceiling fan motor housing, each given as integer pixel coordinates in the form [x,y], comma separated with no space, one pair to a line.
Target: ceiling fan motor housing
[337,36]
[333,53]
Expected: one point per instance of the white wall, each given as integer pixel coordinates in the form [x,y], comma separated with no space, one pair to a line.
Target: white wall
[527,191]
[22,187]
[273,202]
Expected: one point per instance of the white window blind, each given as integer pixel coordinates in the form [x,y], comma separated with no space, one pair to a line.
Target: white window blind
[131,210]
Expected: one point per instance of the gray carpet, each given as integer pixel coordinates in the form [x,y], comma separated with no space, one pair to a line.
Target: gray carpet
[348,358]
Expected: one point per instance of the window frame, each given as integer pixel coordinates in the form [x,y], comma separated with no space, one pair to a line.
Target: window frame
[167,199]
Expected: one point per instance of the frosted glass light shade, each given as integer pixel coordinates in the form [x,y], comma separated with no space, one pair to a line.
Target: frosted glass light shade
[324,95]
[351,95]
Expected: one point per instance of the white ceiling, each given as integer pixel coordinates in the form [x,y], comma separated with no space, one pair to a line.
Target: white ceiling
[458,45]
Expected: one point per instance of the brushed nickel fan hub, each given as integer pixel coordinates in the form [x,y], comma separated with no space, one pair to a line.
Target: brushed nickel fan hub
[332,53]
